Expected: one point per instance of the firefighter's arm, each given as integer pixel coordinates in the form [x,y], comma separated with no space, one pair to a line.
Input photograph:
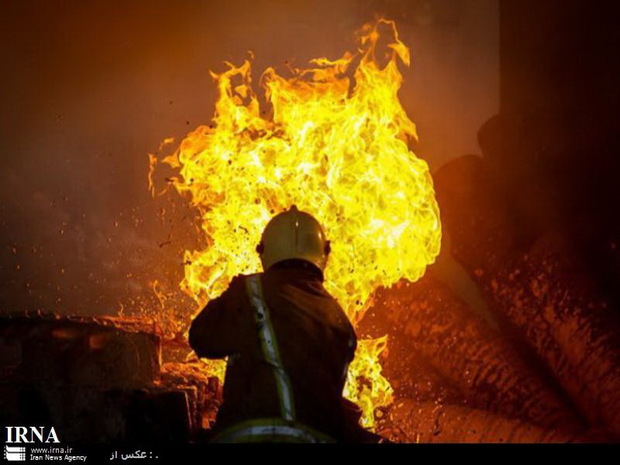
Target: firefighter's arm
[210,334]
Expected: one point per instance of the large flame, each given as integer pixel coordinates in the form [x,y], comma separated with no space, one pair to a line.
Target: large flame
[333,142]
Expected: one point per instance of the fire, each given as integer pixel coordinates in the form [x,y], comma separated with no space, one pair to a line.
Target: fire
[365,385]
[333,140]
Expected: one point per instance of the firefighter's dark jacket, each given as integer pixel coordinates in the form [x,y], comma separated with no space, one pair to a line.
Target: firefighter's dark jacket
[315,338]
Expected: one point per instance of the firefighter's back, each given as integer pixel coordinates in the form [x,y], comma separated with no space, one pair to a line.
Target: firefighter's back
[297,346]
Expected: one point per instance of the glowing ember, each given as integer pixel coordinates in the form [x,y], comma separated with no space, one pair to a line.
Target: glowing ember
[335,145]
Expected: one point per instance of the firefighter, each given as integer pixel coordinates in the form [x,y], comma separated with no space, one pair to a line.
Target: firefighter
[287,341]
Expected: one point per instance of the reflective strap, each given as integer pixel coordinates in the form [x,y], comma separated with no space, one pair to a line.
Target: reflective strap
[273,432]
[269,344]
[351,344]
[345,371]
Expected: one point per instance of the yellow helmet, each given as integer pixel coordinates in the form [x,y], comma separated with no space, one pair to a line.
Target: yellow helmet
[293,234]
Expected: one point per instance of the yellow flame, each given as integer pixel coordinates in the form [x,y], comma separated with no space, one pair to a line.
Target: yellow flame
[335,143]
[365,385]
[215,368]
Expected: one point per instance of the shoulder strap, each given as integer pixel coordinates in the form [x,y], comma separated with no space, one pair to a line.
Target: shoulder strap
[269,345]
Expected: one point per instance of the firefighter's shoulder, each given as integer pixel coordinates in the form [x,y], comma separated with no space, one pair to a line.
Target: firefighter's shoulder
[239,281]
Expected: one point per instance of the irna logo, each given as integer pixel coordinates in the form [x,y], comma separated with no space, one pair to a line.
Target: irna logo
[30,434]
[14,453]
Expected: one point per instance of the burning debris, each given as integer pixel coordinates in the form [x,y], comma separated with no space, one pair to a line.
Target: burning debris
[97,380]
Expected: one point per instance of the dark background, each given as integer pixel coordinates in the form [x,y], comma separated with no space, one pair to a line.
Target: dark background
[88,89]
[559,72]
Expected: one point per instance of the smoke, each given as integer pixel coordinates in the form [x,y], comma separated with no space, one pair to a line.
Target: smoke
[91,88]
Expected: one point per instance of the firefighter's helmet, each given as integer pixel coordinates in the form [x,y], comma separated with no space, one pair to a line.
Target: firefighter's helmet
[293,234]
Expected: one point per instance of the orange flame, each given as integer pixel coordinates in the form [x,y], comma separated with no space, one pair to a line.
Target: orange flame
[335,146]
